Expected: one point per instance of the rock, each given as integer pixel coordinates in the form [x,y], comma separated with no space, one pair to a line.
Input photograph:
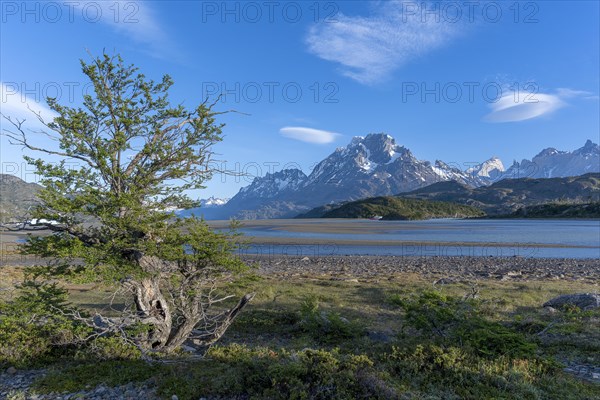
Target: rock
[174,397]
[11,370]
[305,259]
[585,301]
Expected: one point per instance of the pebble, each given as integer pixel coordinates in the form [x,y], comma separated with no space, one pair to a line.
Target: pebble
[514,269]
[589,373]
[17,384]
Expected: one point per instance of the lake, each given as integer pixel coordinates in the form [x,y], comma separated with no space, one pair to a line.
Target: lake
[442,237]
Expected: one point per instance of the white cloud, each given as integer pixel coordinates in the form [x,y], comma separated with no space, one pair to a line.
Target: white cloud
[308,135]
[16,105]
[511,108]
[370,48]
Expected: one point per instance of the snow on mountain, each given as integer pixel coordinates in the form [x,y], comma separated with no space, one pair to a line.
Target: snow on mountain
[213,202]
[273,184]
[490,169]
[552,163]
[375,165]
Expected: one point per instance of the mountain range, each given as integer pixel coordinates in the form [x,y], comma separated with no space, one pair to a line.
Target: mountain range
[375,165]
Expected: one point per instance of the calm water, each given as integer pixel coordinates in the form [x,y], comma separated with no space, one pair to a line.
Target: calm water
[579,239]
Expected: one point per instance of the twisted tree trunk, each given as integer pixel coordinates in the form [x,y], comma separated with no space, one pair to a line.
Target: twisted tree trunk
[193,324]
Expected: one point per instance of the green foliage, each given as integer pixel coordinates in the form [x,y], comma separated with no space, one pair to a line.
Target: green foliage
[559,210]
[417,365]
[456,321]
[127,158]
[34,327]
[112,348]
[395,208]
[440,372]
[266,374]
[326,327]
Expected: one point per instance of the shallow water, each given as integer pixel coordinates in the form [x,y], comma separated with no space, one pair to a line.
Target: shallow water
[442,237]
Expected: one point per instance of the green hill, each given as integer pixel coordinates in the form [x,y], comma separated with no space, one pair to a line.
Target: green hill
[509,195]
[557,210]
[393,208]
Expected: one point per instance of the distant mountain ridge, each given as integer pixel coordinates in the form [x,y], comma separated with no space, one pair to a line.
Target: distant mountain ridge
[552,163]
[509,195]
[213,202]
[376,165]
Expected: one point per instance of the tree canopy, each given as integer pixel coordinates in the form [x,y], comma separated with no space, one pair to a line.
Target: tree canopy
[111,216]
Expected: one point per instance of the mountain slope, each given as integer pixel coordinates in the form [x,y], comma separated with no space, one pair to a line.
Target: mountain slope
[508,195]
[16,196]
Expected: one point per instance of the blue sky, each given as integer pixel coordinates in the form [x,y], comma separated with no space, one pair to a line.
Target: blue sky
[456,81]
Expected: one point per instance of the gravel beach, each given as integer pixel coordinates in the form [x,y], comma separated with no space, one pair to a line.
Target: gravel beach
[451,268]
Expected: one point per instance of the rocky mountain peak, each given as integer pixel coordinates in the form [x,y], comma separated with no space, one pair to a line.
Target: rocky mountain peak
[491,168]
[589,149]
[550,151]
[274,183]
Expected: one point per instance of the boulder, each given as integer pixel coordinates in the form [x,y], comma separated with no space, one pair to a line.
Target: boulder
[585,301]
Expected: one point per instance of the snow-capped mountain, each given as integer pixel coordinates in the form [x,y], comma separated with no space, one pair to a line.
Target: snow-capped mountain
[490,169]
[552,163]
[273,184]
[213,202]
[376,165]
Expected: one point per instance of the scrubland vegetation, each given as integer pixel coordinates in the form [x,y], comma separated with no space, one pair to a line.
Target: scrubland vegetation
[318,338]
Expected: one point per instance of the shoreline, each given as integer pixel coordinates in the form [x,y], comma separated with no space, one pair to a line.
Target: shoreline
[363,242]
[449,268]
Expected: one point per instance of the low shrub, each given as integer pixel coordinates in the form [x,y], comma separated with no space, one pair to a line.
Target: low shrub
[458,322]
[326,327]
[34,327]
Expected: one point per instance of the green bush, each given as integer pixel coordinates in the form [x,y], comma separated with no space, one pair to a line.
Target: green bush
[34,327]
[458,322]
[112,348]
[448,372]
[326,327]
[239,371]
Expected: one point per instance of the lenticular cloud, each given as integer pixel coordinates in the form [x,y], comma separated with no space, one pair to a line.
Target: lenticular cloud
[308,135]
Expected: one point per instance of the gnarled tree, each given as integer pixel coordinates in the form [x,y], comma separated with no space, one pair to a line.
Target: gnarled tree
[110,216]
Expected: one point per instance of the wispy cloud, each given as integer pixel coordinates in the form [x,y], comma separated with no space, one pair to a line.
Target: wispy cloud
[511,108]
[308,135]
[135,20]
[369,49]
[571,93]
